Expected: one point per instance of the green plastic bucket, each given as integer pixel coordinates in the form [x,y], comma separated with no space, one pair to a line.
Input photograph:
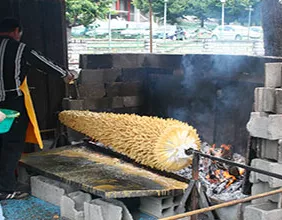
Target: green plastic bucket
[6,124]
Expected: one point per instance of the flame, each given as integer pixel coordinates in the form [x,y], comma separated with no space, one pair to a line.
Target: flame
[219,175]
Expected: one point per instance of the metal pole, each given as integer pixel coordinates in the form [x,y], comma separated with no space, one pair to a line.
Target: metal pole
[222,15]
[249,22]
[151,26]
[165,12]
[110,32]
[191,151]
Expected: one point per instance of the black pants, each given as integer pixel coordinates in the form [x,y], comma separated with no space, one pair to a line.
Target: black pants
[12,143]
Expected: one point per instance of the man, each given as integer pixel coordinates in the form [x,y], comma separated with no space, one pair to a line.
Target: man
[15,60]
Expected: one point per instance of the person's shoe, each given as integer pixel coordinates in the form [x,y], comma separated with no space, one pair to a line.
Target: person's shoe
[13,195]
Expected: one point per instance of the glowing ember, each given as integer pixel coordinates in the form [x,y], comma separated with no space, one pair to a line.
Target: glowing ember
[219,178]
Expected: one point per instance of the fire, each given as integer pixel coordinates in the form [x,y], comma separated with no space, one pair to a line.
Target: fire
[220,173]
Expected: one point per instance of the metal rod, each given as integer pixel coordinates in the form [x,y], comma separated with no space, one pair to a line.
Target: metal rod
[190,151]
[222,205]
[195,176]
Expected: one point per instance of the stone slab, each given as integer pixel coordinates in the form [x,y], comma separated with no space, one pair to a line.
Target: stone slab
[101,175]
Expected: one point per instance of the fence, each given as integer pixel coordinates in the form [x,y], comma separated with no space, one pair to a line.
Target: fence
[97,46]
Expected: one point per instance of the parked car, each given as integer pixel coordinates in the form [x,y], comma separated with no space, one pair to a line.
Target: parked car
[201,33]
[230,33]
[256,32]
[78,31]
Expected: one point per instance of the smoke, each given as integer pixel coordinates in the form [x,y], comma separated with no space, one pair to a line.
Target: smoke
[213,96]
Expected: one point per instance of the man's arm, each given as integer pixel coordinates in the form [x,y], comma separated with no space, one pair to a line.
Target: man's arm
[45,65]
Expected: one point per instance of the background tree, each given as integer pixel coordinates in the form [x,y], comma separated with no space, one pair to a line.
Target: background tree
[84,12]
[235,10]
[272,28]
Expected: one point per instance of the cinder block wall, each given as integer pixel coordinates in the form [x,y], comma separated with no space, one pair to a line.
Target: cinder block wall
[214,93]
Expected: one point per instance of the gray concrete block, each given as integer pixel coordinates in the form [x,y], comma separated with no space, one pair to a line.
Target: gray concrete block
[160,206]
[268,166]
[98,76]
[98,104]
[257,125]
[132,101]
[269,149]
[273,75]
[265,211]
[128,60]
[265,126]
[109,210]
[117,102]
[73,104]
[49,190]
[262,187]
[126,215]
[124,89]
[278,101]
[264,99]
[275,127]
[72,205]
[92,211]
[95,90]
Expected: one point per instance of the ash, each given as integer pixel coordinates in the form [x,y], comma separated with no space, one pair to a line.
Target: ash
[220,181]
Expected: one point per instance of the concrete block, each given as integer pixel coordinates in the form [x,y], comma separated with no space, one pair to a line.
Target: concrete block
[124,89]
[267,166]
[49,190]
[92,211]
[133,75]
[265,126]
[262,187]
[275,127]
[92,90]
[109,210]
[257,125]
[278,101]
[273,75]
[95,61]
[270,150]
[264,100]
[265,211]
[98,76]
[160,206]
[126,215]
[73,104]
[72,205]
[128,60]
[98,104]
[132,101]
[163,61]
[117,102]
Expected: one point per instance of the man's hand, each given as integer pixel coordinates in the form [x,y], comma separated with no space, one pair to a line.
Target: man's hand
[72,75]
[69,78]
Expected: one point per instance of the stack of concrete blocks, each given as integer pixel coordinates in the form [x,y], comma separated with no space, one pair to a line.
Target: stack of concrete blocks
[266,125]
[161,207]
[75,204]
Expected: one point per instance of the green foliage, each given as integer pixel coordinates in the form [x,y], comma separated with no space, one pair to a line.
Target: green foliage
[84,12]
[235,10]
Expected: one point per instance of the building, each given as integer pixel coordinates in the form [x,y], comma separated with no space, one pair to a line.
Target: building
[127,10]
